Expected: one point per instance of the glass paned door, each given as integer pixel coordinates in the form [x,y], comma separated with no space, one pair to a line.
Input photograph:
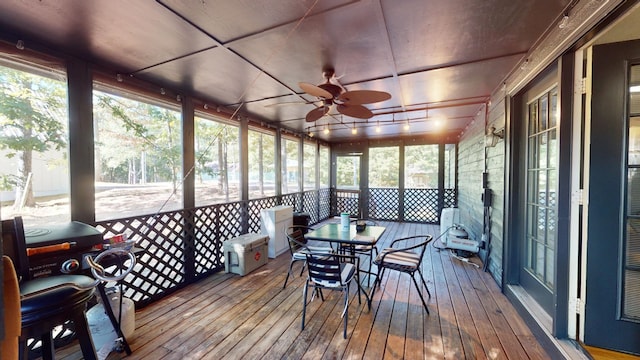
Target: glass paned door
[541,188]
[631,290]
[348,184]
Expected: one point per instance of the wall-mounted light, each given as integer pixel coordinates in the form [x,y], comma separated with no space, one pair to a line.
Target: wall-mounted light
[493,136]
[564,21]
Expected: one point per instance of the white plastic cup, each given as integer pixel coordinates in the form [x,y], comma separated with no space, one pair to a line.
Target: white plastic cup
[344,221]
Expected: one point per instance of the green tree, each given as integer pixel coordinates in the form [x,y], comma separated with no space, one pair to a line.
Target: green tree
[217,143]
[119,137]
[261,159]
[32,119]
[384,167]
[137,142]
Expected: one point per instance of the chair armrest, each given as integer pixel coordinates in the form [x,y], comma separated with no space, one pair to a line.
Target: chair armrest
[392,250]
[301,227]
[427,240]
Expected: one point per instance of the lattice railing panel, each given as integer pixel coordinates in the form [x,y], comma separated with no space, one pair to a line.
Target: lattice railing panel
[324,198]
[450,198]
[310,205]
[384,204]
[421,205]
[254,208]
[347,201]
[207,248]
[172,238]
[290,200]
[229,218]
[161,265]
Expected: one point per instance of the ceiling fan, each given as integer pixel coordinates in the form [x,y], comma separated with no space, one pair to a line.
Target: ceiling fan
[347,102]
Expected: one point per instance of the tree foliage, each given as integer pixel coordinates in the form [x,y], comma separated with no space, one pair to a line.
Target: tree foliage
[136,142]
[32,119]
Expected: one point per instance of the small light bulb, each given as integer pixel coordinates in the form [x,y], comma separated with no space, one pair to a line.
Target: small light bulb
[378,127]
[326,130]
[406,126]
[354,130]
[310,134]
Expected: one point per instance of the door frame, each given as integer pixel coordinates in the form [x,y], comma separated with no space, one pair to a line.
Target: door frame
[357,149]
[515,203]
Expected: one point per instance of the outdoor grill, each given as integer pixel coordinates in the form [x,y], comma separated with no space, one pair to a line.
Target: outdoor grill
[60,249]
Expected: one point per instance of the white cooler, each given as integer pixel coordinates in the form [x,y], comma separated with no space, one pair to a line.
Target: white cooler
[245,253]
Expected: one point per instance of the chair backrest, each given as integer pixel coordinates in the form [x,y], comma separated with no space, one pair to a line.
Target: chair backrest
[15,247]
[324,270]
[295,238]
[369,222]
[423,245]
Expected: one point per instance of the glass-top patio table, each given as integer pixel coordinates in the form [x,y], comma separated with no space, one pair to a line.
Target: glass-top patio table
[333,233]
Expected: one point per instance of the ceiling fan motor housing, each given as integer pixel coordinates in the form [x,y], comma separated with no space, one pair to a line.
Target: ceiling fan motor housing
[333,89]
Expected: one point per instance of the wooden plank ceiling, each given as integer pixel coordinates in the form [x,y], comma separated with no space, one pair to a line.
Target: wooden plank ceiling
[439,59]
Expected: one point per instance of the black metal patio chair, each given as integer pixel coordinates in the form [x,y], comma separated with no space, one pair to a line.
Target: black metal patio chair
[299,248]
[334,272]
[407,259]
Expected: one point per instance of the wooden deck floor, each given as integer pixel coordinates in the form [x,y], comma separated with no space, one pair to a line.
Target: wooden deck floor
[226,316]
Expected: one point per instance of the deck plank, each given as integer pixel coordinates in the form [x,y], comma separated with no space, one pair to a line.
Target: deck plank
[230,316]
[452,342]
[468,332]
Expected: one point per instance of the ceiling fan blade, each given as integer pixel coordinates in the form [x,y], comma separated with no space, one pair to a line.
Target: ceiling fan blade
[359,97]
[287,103]
[317,113]
[356,111]
[315,90]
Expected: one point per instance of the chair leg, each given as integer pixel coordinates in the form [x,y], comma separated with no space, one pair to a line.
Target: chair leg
[47,347]
[370,267]
[377,281]
[357,285]
[424,282]
[304,265]
[345,313]
[288,273]
[419,292]
[304,303]
[23,351]
[84,338]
